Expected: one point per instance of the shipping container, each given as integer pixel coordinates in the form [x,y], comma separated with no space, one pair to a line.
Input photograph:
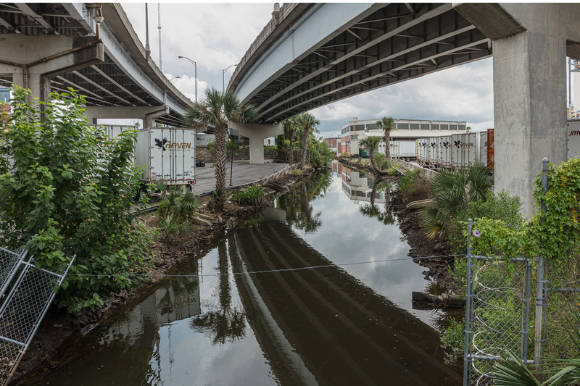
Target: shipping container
[468,149]
[490,150]
[455,153]
[573,143]
[167,154]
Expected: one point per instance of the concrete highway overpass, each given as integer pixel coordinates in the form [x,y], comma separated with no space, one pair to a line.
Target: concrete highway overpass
[50,47]
[310,55]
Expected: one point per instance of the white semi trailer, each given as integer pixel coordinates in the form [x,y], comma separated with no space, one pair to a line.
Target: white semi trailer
[166,153]
[573,143]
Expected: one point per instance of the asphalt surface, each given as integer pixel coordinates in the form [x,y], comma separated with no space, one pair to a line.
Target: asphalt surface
[243,173]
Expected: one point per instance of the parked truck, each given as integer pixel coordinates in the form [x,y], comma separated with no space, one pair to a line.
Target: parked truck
[166,153]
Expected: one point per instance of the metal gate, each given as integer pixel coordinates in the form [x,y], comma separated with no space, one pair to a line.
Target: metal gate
[497,314]
[30,291]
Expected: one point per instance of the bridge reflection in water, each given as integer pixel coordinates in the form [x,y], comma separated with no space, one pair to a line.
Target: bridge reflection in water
[323,326]
[319,326]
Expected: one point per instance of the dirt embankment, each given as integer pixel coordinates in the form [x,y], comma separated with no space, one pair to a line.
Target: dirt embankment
[58,325]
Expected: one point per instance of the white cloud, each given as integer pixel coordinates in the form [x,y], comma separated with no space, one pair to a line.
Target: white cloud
[186,85]
[213,35]
[463,93]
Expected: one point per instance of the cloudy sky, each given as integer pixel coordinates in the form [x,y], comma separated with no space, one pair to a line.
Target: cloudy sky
[218,35]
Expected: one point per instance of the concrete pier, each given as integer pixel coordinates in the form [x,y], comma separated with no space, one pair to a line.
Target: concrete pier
[530,44]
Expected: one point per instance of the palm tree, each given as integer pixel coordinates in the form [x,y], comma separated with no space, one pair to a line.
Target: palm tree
[387,124]
[217,110]
[371,144]
[306,123]
[290,129]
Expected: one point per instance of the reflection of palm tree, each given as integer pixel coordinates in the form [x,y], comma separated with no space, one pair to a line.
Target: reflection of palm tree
[227,322]
[372,210]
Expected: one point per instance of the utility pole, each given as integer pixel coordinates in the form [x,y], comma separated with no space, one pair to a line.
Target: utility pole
[159,19]
[147,47]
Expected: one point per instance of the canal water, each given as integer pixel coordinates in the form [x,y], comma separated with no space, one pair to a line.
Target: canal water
[315,290]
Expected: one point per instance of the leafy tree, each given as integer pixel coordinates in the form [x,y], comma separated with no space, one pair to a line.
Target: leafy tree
[387,124]
[216,111]
[372,144]
[72,186]
[306,123]
[320,153]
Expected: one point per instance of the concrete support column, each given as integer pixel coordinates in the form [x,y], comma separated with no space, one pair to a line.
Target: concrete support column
[529,76]
[257,133]
[530,44]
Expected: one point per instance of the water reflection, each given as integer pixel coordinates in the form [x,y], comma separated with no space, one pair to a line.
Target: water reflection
[359,185]
[287,326]
[226,322]
[372,210]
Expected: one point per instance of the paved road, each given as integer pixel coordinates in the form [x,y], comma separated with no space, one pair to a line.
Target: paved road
[243,173]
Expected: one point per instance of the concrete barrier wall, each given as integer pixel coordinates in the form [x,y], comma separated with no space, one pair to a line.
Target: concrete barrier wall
[402,166]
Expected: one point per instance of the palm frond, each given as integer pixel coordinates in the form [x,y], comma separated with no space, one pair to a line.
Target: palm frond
[513,372]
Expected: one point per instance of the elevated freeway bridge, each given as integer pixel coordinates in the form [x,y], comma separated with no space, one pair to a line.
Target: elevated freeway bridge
[50,47]
[310,55]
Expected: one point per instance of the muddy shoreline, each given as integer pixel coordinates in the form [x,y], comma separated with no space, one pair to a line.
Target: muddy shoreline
[58,325]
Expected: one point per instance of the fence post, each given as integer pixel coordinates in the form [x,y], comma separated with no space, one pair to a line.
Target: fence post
[468,295]
[538,338]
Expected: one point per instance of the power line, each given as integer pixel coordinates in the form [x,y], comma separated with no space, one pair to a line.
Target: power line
[271,270]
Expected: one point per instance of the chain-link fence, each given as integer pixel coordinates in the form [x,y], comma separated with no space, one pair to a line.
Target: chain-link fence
[30,291]
[562,301]
[498,314]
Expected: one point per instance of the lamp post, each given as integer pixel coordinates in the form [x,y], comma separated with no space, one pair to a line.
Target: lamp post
[195,73]
[224,77]
[175,77]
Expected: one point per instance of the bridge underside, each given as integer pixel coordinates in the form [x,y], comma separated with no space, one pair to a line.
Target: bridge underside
[392,44]
[120,78]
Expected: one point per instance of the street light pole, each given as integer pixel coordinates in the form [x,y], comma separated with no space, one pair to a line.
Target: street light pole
[194,74]
[224,77]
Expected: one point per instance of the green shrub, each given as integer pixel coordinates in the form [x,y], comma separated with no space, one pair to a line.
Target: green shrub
[451,192]
[392,171]
[72,186]
[452,340]
[176,211]
[495,207]
[406,183]
[382,162]
[252,196]
[320,153]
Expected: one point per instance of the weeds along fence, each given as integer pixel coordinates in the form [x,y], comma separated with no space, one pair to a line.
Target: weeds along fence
[523,305]
[29,292]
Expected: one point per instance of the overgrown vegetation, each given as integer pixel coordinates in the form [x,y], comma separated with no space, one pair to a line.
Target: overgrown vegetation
[254,195]
[412,185]
[451,192]
[176,211]
[513,371]
[320,153]
[72,187]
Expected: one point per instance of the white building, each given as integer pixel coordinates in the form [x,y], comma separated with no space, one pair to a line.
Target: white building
[406,131]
